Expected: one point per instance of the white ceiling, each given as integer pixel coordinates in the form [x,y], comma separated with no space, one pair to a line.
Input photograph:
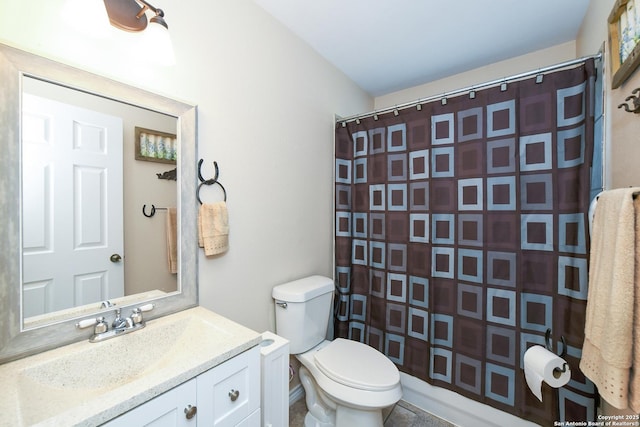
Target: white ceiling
[389,45]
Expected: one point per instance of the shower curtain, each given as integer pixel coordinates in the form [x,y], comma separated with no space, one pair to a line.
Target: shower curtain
[461,236]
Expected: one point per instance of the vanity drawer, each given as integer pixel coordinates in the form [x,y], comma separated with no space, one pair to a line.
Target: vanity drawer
[230,392]
[168,409]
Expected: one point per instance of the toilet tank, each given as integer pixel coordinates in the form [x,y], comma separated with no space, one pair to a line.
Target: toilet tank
[302,309]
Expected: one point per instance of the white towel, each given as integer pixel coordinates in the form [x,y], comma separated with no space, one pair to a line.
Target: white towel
[213,227]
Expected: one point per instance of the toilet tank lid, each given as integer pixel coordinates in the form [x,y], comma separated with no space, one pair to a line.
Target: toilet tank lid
[303,289]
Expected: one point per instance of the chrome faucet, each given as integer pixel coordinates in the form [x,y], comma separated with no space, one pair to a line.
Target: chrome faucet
[120,323]
[119,326]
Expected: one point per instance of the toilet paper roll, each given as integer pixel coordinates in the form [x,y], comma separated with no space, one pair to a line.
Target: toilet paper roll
[542,365]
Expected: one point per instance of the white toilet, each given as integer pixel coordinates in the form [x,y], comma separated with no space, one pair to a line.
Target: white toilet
[346,383]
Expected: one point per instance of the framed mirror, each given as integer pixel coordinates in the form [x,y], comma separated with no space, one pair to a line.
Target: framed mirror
[35,316]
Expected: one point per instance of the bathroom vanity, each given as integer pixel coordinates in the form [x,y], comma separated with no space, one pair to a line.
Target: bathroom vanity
[227,395]
[194,367]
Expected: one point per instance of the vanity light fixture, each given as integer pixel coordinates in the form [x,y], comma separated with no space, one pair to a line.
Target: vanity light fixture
[131,15]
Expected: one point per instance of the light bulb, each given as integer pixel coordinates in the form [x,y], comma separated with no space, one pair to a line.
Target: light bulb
[157,45]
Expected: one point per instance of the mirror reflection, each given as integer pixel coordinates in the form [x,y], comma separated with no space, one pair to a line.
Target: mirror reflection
[89,165]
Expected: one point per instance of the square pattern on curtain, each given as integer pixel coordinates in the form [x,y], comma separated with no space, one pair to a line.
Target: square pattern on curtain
[461,236]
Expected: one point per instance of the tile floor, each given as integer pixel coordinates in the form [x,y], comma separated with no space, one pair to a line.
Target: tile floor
[403,414]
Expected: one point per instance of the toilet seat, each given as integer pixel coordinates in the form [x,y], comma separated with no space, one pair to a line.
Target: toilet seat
[347,395]
[357,365]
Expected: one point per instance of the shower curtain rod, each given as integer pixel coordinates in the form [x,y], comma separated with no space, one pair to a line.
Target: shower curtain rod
[539,71]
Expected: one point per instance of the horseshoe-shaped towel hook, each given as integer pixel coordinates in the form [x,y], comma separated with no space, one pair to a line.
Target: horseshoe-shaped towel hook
[208,181]
[152,213]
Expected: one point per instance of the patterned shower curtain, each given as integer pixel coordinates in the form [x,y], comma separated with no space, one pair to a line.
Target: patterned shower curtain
[461,236]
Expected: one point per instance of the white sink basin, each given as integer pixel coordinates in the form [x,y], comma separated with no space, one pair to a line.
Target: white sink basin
[107,364]
[117,374]
[97,368]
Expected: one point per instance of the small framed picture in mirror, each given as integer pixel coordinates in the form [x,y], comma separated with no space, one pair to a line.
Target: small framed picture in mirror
[155,146]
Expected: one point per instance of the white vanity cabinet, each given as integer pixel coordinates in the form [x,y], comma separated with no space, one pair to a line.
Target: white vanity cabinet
[224,396]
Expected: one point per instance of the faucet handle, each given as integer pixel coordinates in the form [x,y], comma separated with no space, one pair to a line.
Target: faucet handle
[86,323]
[147,307]
[100,325]
[136,314]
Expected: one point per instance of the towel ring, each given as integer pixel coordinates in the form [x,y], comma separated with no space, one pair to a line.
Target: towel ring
[210,182]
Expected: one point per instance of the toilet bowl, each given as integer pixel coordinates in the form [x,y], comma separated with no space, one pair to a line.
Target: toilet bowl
[347,383]
[357,378]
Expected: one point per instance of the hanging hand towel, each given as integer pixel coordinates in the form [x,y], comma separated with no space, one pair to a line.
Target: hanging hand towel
[172,240]
[634,381]
[608,348]
[213,226]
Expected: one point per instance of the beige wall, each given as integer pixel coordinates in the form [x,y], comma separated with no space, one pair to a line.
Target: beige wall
[622,128]
[593,31]
[266,108]
[488,73]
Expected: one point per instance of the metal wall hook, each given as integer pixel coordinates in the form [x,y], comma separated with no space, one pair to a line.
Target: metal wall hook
[215,177]
[170,175]
[152,212]
[549,345]
[635,106]
[148,215]
[557,372]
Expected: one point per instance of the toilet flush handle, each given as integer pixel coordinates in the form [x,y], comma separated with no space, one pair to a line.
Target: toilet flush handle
[281,304]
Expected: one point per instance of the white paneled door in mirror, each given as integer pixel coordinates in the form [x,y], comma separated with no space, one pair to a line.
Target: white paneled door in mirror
[72,206]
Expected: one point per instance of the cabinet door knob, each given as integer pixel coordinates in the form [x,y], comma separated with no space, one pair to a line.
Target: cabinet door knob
[190,411]
[233,394]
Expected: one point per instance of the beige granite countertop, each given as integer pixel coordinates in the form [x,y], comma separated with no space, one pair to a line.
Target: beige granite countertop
[87,384]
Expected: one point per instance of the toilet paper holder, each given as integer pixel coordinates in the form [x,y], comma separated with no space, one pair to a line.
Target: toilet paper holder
[549,346]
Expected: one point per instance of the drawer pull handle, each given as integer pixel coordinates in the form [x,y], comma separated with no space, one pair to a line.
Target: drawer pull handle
[233,394]
[190,411]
